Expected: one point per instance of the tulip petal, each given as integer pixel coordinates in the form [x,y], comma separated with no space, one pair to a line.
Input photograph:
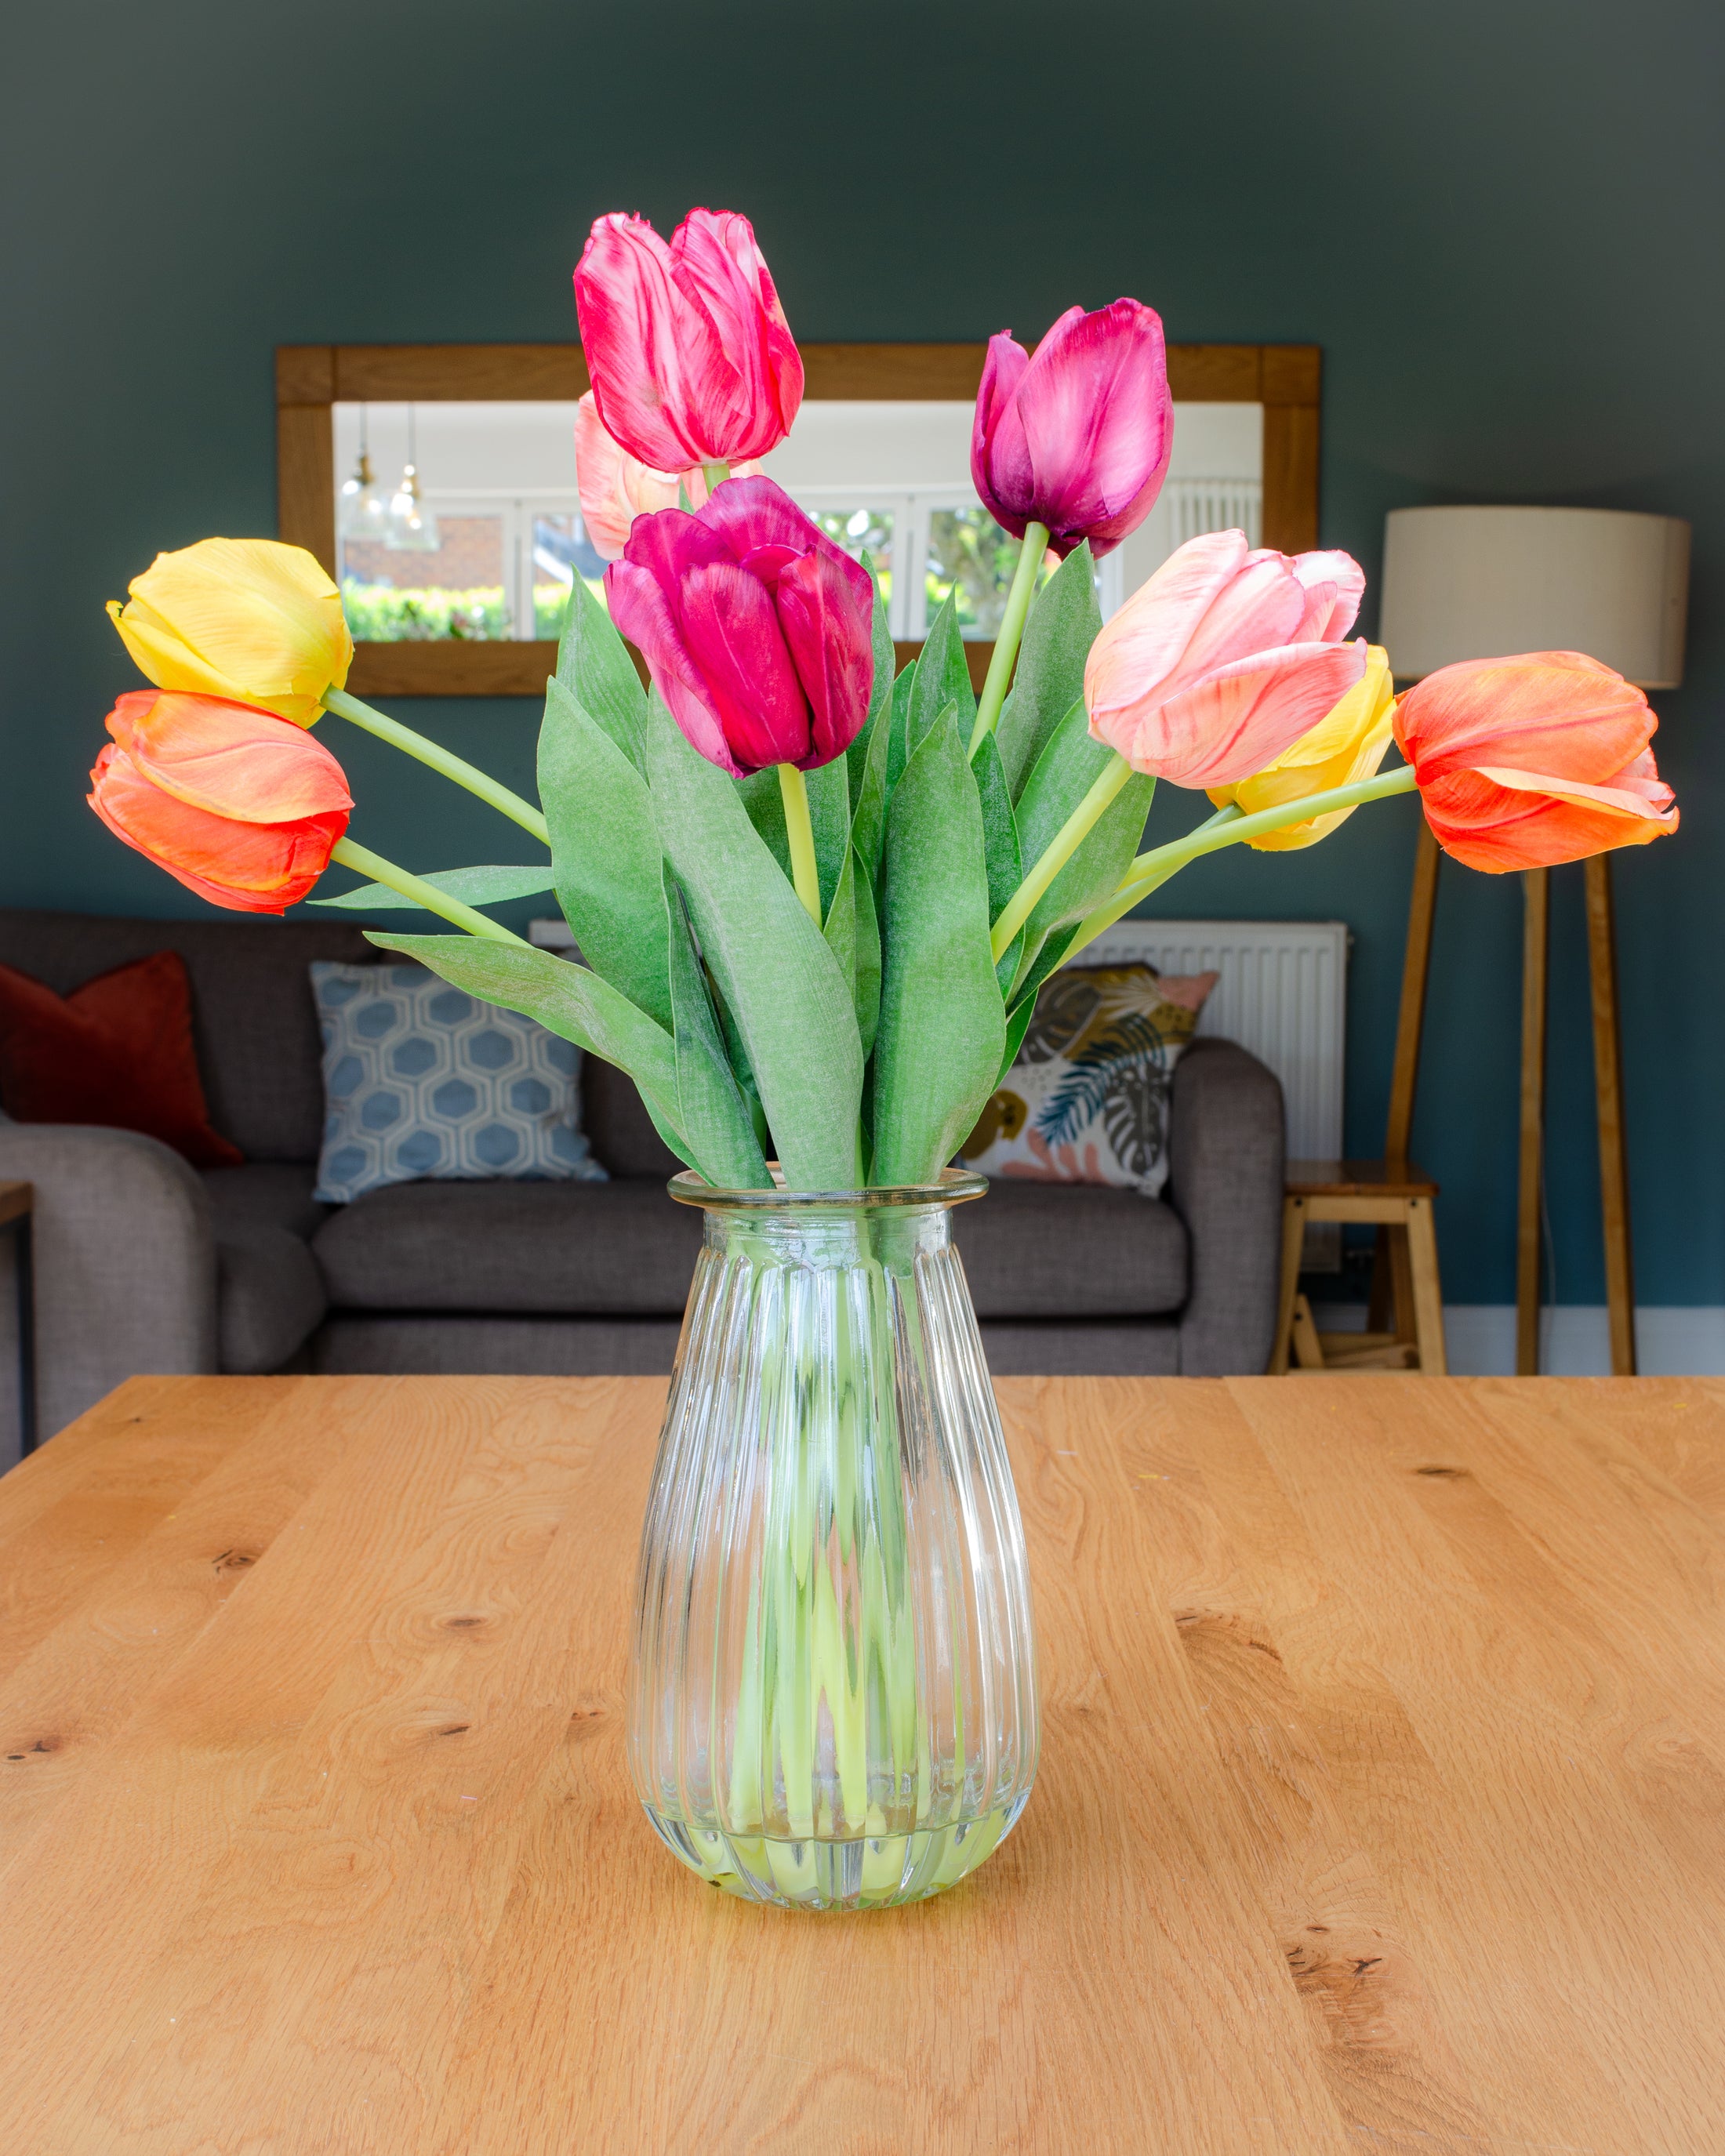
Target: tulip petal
[1543,711]
[1229,725]
[1334,584]
[1498,827]
[1097,421]
[829,638]
[1258,610]
[643,614]
[1000,468]
[1144,643]
[731,633]
[718,267]
[250,868]
[616,488]
[243,765]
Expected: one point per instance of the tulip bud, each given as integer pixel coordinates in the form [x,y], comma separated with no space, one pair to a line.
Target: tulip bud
[249,620]
[1217,664]
[755,627]
[616,488]
[690,357]
[1078,437]
[1528,762]
[244,807]
[1347,744]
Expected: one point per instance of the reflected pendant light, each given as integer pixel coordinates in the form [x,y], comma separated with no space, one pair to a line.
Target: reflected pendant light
[362,510]
[413,528]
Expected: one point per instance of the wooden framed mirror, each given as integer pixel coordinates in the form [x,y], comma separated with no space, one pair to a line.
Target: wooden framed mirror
[494,534]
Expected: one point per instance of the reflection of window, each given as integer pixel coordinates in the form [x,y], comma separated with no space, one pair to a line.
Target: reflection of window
[503,570]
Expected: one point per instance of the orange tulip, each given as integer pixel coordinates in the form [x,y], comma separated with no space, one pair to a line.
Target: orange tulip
[244,807]
[1527,762]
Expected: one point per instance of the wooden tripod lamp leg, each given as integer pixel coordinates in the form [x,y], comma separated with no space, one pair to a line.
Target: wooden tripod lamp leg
[1608,1082]
[1536,885]
[1387,1275]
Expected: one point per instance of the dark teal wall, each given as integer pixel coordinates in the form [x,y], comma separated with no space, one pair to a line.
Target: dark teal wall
[1501,218]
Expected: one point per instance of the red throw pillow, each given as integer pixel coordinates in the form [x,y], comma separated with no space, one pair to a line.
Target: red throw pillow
[117,1051]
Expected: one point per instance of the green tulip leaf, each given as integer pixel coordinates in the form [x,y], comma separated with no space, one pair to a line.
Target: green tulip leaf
[571,1001]
[1000,844]
[1051,954]
[791,1004]
[857,757]
[868,822]
[942,1026]
[867,975]
[898,748]
[1065,620]
[1018,1025]
[828,814]
[473,886]
[595,665]
[711,1110]
[943,677]
[605,848]
[1065,770]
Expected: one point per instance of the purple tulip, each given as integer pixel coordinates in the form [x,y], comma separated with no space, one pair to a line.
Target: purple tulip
[755,627]
[1077,437]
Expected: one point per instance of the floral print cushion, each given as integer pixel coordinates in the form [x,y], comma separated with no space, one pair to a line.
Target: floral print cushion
[1087,1100]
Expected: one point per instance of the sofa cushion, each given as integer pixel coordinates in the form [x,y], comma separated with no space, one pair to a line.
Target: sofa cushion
[252,1018]
[582,1249]
[1071,1250]
[269,1294]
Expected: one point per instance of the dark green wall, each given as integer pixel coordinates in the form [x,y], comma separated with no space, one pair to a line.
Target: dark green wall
[1501,218]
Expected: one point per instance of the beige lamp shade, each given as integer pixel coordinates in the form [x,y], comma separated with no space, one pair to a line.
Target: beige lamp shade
[1481,583]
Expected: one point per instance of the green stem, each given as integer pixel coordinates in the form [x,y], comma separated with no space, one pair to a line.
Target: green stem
[1061,847]
[1229,828]
[715,473]
[1031,550]
[800,832]
[364,862]
[439,759]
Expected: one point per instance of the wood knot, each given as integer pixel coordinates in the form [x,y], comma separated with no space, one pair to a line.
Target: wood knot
[234,1560]
[456,1729]
[43,1744]
[1445,1474]
[465,1624]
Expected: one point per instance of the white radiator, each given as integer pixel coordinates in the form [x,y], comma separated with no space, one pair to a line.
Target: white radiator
[1283,994]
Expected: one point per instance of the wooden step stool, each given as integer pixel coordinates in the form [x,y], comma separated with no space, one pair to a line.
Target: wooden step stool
[1396,1198]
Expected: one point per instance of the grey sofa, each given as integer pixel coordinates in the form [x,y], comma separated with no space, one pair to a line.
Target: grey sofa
[143,1264]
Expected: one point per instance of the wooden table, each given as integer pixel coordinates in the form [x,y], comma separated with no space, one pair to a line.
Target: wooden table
[1382,1805]
[18,1206]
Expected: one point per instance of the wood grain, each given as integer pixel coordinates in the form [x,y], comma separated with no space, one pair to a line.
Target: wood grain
[1383,1778]
[1608,1087]
[1536,940]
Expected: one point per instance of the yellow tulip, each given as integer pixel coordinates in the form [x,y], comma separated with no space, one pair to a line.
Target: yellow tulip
[1347,744]
[249,619]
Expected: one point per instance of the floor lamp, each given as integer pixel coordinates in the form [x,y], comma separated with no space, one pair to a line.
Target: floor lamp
[1479,582]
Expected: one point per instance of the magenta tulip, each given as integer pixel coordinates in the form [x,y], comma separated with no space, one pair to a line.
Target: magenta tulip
[1225,659]
[690,355]
[1078,437]
[755,627]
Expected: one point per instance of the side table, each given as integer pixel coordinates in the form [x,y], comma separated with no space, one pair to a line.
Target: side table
[17,1205]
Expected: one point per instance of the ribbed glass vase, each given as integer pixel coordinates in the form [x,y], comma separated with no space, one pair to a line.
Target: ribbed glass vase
[832,1694]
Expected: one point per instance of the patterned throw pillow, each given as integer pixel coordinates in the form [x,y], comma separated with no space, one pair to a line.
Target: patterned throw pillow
[1087,1099]
[424,1082]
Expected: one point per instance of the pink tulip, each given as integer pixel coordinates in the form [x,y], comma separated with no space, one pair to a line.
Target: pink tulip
[755,627]
[690,355]
[1225,659]
[1077,437]
[616,488]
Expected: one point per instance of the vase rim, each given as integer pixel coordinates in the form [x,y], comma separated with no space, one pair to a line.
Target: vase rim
[954,1187]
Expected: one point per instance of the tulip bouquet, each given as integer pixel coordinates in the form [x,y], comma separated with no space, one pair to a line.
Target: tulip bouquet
[814,902]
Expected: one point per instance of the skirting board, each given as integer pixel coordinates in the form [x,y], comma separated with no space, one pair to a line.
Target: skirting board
[1480,1338]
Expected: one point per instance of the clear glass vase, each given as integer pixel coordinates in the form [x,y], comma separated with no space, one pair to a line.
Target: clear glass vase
[833,1693]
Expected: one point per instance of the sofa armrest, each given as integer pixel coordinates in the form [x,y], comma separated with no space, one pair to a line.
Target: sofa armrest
[1226,1147]
[124,1263]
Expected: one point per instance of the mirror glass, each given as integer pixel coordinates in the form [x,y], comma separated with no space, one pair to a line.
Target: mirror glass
[462,520]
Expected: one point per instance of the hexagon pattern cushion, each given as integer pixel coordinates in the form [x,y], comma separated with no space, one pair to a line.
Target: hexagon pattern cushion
[425,1083]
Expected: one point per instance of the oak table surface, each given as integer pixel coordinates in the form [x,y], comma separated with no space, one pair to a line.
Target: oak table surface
[1382,1804]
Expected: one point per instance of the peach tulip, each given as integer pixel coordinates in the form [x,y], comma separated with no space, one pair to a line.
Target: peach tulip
[249,620]
[1347,744]
[690,356]
[243,807]
[1220,662]
[616,488]
[1527,762]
